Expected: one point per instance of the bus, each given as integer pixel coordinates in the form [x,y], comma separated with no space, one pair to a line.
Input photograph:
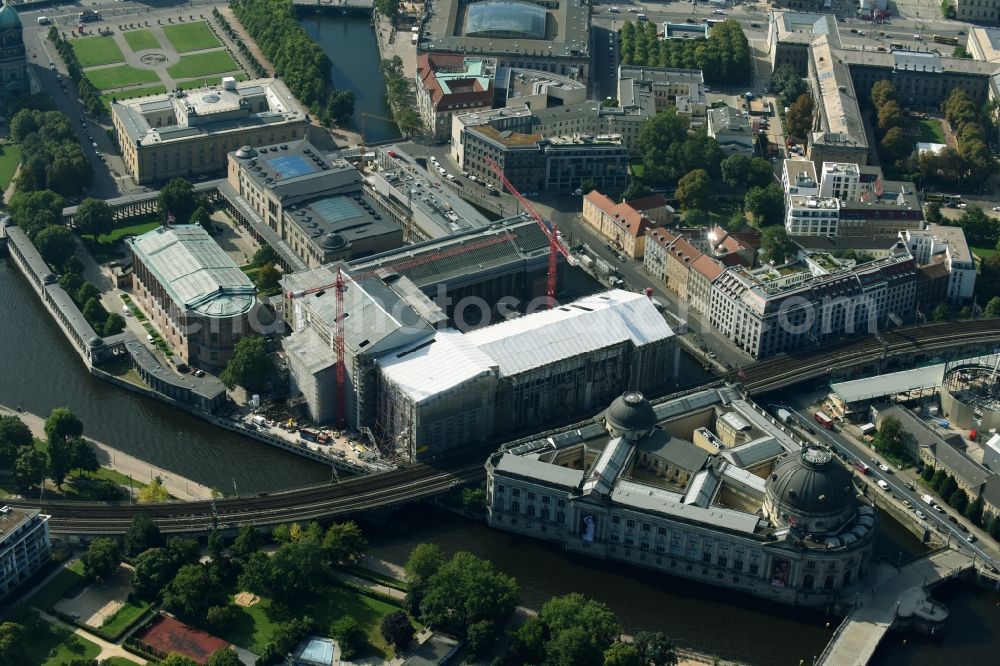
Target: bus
[941,39]
[823,420]
[934,197]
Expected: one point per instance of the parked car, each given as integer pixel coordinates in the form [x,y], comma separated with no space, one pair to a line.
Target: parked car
[920,514]
[884,468]
[971,538]
[149,338]
[962,527]
[910,486]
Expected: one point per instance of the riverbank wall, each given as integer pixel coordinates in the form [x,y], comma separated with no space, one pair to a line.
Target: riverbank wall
[123,463]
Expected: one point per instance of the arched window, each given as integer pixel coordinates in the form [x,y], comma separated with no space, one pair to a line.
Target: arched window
[808,583]
[828,583]
[515,507]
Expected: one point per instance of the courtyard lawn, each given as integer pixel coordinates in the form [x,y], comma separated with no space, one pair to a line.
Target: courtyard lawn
[983,253]
[132,93]
[141,40]
[119,661]
[252,628]
[67,582]
[207,81]
[10,155]
[106,248]
[930,131]
[191,36]
[203,64]
[120,77]
[123,618]
[54,645]
[93,51]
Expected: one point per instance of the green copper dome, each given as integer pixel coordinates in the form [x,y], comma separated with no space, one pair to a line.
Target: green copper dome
[9,17]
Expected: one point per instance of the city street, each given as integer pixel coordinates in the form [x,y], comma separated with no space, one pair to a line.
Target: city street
[984,548]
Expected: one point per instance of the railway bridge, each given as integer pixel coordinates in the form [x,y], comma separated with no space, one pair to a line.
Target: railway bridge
[420,481]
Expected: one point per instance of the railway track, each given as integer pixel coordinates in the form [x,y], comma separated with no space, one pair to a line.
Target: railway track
[419,481]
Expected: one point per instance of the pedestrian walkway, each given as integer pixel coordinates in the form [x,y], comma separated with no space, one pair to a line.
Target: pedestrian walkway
[898,597]
[123,463]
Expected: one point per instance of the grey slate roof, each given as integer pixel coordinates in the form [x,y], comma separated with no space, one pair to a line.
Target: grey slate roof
[537,470]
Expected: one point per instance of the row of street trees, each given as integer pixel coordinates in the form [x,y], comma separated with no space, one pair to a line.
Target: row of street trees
[945,485]
[65,450]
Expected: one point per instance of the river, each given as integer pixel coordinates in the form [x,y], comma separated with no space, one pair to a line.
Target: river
[350,43]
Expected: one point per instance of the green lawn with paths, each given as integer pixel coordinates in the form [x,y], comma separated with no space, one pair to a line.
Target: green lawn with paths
[252,628]
[141,40]
[118,661]
[203,64]
[191,36]
[930,131]
[93,51]
[109,78]
[123,618]
[67,582]
[53,645]
[10,155]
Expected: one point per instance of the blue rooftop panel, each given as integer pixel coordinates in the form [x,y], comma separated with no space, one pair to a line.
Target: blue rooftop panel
[335,209]
[291,166]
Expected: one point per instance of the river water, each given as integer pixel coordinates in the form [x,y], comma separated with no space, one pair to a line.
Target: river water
[350,43]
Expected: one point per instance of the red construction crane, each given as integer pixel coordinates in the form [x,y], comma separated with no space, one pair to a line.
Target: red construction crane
[340,286]
[556,246]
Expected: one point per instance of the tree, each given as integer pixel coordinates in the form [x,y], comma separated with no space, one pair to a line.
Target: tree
[974,511]
[101,559]
[993,307]
[480,637]
[349,634]
[798,118]
[113,325]
[95,313]
[959,500]
[891,439]
[937,481]
[767,204]
[588,186]
[183,551]
[787,83]
[29,467]
[55,244]
[655,648]
[295,568]
[154,569]
[882,93]
[192,592]
[202,217]
[948,487]
[265,255]
[694,190]
[636,190]
[23,124]
[896,144]
[177,199]
[932,213]
[86,292]
[153,492]
[455,594]
[83,455]
[343,542]
[13,435]
[142,535]
[247,542]
[776,246]
[396,629]
[176,659]
[890,115]
[224,657]
[735,170]
[927,473]
[622,654]
[220,618]
[424,561]
[563,616]
[387,8]
[256,574]
[94,217]
[12,644]
[267,278]
[60,426]
[34,211]
[941,312]
[71,282]
[250,366]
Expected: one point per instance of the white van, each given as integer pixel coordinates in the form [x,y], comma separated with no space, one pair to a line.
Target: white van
[44,20]
[883,485]
[641,17]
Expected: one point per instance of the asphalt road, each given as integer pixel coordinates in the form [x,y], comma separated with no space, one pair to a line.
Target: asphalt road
[852,452]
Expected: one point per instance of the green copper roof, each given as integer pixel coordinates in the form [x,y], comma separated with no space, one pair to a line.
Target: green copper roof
[9,17]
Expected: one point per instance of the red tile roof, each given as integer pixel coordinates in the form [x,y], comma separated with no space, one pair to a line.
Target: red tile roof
[624,216]
[648,203]
[660,236]
[472,92]
[708,267]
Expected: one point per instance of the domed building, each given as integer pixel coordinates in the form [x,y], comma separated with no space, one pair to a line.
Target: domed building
[704,486]
[13,56]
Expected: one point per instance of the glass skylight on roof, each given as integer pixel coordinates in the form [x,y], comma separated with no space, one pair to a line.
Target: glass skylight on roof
[291,166]
[335,209]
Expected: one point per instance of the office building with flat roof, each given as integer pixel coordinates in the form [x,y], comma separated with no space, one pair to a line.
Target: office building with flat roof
[946,245]
[984,44]
[546,35]
[539,89]
[306,204]
[24,546]
[189,133]
[193,293]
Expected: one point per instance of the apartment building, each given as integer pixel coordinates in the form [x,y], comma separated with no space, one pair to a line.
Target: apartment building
[619,224]
[24,546]
[947,246]
[449,83]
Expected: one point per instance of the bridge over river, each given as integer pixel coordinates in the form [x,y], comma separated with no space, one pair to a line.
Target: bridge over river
[898,600]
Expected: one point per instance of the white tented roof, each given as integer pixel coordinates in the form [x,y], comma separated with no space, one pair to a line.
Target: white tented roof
[873,388]
[196,273]
[440,363]
[585,325]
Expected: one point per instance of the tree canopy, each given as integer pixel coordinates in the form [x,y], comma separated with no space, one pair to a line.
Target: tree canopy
[51,155]
[14,434]
[767,204]
[60,427]
[94,217]
[101,559]
[466,590]
[153,492]
[798,119]
[891,439]
[776,246]
[142,534]
[694,190]
[724,57]
[176,198]
[192,592]
[250,365]
[56,245]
